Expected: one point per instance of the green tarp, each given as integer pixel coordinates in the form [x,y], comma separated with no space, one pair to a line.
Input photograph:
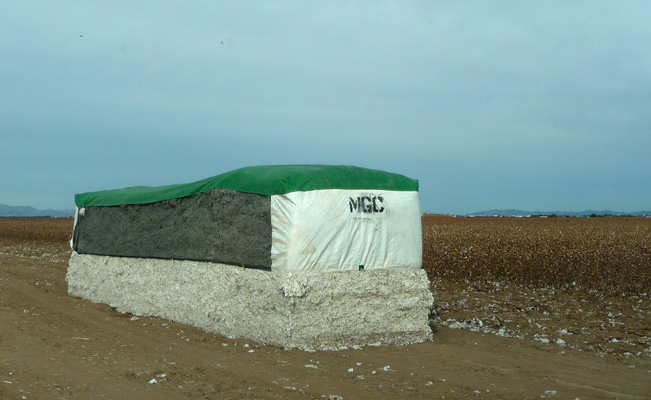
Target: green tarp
[265,180]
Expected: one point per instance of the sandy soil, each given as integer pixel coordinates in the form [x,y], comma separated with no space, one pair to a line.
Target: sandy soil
[490,342]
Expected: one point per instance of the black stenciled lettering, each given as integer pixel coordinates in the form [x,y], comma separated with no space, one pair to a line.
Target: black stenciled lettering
[353,204]
[378,200]
[366,204]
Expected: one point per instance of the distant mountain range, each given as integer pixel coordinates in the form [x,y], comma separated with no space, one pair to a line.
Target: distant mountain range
[584,213]
[21,211]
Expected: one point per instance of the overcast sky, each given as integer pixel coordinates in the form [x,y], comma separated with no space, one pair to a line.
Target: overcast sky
[489,104]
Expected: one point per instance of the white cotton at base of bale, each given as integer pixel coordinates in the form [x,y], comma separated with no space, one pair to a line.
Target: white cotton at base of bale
[308,311]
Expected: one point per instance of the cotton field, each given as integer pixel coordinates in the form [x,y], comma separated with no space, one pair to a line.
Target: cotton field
[611,255]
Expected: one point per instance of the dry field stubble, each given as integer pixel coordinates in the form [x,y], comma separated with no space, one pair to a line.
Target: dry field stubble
[612,255]
[582,283]
[39,238]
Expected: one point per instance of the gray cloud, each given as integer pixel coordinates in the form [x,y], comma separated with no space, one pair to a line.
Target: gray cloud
[489,105]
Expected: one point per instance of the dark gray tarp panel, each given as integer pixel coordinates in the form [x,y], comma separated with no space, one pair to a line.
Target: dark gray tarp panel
[219,225]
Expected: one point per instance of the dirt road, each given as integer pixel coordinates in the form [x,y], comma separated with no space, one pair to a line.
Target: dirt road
[53,346]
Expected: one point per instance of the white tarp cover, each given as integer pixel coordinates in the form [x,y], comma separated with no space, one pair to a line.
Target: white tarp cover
[336,230]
